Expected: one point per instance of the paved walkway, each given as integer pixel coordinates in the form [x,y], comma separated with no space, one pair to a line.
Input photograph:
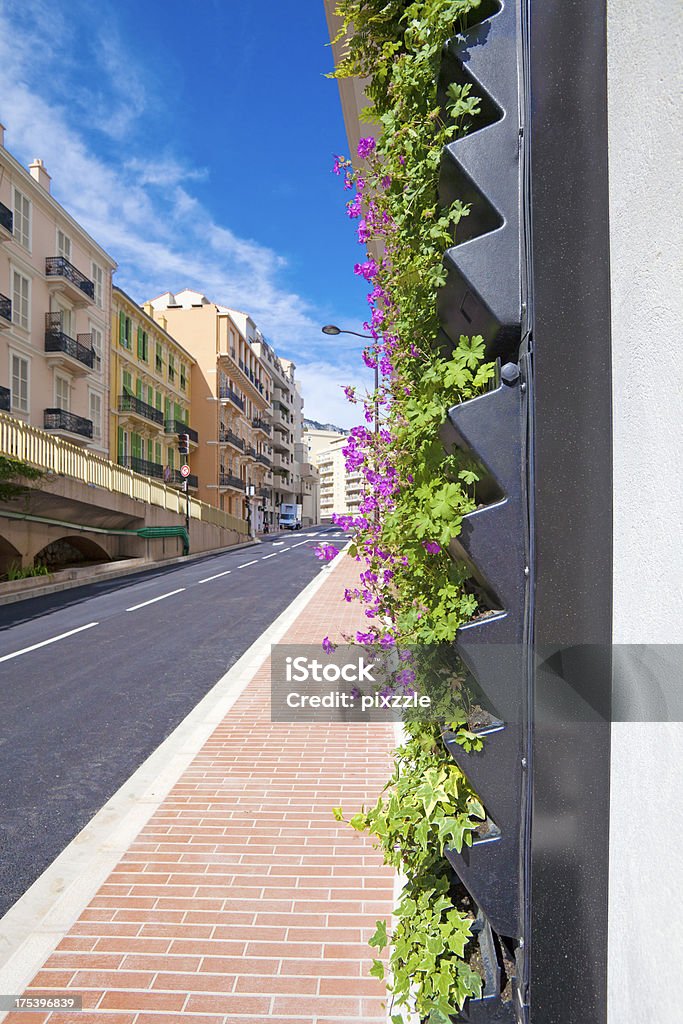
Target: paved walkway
[241,899]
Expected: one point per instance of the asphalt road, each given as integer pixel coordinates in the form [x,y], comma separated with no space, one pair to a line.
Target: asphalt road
[125,661]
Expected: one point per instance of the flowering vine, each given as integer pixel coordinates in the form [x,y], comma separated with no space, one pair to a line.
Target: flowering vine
[415,495]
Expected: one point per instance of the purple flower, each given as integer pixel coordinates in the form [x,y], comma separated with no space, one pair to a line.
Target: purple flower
[431,547]
[405,676]
[328,646]
[366,146]
[326,552]
[353,208]
[365,638]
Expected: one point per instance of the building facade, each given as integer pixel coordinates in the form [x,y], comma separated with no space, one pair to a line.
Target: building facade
[232,389]
[151,394]
[340,491]
[55,311]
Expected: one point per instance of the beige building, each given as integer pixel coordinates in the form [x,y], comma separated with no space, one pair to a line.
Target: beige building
[55,296]
[151,380]
[340,491]
[231,401]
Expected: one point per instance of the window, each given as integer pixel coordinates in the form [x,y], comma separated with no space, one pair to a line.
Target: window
[22,219]
[96,415]
[65,319]
[98,281]
[62,393]
[127,381]
[171,366]
[96,334]
[183,377]
[143,346]
[19,375]
[63,245]
[21,299]
[159,362]
[125,330]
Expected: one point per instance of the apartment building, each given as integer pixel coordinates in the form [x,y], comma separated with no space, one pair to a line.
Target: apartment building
[55,310]
[340,491]
[150,380]
[231,403]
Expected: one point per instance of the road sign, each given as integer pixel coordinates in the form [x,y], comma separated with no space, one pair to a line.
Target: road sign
[184,471]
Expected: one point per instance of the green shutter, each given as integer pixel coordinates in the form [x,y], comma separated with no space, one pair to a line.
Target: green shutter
[157,400]
[138,388]
[150,447]
[157,453]
[122,328]
[127,383]
[167,408]
[139,342]
[178,412]
[171,458]
[120,442]
[150,395]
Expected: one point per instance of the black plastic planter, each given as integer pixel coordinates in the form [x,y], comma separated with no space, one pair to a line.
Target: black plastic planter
[490,1008]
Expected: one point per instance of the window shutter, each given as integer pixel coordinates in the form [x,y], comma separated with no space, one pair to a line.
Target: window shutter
[122,328]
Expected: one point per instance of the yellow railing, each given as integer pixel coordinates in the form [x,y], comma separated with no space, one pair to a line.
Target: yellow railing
[52,454]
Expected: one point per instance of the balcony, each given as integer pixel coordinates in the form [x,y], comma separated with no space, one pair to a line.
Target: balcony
[259,424]
[5,400]
[76,429]
[75,354]
[5,312]
[264,460]
[228,480]
[250,451]
[178,427]
[226,392]
[136,408]
[226,436]
[6,223]
[142,466]
[65,278]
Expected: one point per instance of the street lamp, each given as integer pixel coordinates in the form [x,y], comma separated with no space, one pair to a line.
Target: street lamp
[332,329]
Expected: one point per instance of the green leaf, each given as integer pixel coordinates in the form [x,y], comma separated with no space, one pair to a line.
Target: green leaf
[377,970]
[380,939]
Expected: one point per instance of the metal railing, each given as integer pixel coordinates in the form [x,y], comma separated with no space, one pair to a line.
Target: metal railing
[59,266]
[228,480]
[264,460]
[174,478]
[250,450]
[226,436]
[61,419]
[129,403]
[143,466]
[5,307]
[259,424]
[56,340]
[225,391]
[5,399]
[178,427]
[55,455]
[6,218]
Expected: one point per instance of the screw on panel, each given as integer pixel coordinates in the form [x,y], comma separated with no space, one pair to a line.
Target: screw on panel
[510,374]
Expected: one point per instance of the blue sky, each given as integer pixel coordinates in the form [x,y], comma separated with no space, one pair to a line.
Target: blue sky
[195,142]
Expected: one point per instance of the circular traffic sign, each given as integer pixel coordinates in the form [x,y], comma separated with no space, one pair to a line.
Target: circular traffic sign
[184,471]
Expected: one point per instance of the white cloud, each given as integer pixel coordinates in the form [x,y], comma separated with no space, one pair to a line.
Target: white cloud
[142,210]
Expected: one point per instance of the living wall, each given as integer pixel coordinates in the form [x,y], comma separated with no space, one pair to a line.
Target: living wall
[414,595]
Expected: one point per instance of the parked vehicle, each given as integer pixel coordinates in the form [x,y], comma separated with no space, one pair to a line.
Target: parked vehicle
[290,516]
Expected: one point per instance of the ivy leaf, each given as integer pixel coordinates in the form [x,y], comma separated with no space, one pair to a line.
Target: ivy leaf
[338,813]
[380,939]
[377,970]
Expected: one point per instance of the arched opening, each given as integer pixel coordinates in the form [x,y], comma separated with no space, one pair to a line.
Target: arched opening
[9,557]
[71,551]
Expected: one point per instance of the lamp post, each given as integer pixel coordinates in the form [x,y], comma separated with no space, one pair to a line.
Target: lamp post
[333,330]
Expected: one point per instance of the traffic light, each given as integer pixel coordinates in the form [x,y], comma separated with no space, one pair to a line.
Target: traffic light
[183,444]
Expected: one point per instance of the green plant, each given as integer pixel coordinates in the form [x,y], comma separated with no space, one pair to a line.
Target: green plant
[416,494]
[12,474]
[15,571]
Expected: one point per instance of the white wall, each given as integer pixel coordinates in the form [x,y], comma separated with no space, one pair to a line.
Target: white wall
[646,825]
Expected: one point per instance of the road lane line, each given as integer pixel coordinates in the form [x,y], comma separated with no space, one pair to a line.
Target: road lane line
[270,556]
[153,599]
[300,543]
[276,543]
[218,574]
[247,564]
[44,643]
[283,551]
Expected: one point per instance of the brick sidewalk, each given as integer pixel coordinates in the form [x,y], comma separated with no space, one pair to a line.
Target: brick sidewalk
[242,900]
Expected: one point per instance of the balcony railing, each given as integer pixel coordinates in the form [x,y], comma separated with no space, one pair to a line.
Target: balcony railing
[225,391]
[264,460]
[178,427]
[60,419]
[228,480]
[262,425]
[57,341]
[173,477]
[226,436]
[129,403]
[143,466]
[250,450]
[58,266]
[5,307]
[6,218]
[5,399]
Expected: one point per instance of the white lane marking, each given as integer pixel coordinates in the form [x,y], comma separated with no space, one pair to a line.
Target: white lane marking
[283,551]
[270,556]
[300,543]
[217,576]
[247,563]
[44,643]
[276,543]
[153,599]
